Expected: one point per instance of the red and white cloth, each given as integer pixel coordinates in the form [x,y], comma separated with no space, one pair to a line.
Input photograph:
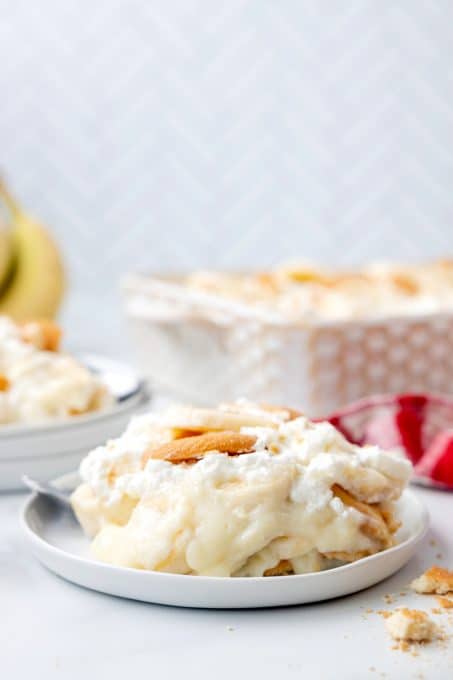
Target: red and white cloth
[419,424]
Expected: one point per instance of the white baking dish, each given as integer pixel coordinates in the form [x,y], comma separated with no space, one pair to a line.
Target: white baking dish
[206,349]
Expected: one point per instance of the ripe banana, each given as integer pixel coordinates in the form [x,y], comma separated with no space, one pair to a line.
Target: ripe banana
[36,284]
[6,253]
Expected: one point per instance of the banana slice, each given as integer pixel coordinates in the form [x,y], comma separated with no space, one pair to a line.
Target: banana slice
[208,420]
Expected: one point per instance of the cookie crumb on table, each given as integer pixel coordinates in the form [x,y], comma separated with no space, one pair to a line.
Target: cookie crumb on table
[411,625]
[435,580]
[445,602]
[385,613]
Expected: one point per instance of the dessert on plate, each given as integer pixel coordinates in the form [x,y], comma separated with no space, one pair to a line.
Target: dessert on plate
[306,292]
[238,490]
[38,382]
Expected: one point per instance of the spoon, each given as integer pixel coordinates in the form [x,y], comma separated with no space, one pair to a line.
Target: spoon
[46,489]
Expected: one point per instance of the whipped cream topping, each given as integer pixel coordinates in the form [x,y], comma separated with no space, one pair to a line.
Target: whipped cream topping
[233,515]
[121,457]
[302,291]
[43,385]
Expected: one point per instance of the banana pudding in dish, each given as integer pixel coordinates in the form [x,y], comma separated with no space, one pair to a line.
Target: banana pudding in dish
[38,383]
[306,292]
[240,490]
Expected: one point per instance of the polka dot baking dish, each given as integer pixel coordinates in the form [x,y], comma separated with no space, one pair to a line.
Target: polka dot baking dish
[204,347]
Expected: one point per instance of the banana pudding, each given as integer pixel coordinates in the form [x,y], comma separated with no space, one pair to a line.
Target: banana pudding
[240,490]
[38,383]
[305,292]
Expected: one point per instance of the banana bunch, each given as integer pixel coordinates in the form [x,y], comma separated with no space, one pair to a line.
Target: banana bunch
[31,269]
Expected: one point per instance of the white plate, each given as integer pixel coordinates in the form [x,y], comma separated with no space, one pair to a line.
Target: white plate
[58,542]
[47,450]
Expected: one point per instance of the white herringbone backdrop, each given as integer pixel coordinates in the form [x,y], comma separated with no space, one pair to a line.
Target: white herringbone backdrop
[189,133]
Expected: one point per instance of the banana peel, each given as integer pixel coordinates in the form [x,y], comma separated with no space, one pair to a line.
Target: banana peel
[35,287]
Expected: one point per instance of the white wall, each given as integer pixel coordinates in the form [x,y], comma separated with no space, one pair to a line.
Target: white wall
[187,133]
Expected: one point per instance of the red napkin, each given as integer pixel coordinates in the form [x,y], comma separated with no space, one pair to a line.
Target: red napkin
[437,462]
[419,424]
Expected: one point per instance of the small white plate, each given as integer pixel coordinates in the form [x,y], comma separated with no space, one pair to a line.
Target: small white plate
[50,449]
[56,539]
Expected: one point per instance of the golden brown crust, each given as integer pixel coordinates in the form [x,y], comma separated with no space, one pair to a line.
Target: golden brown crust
[189,448]
[4,383]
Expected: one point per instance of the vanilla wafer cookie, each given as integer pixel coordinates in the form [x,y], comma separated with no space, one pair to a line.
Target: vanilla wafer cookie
[190,448]
[374,524]
[43,334]
[283,568]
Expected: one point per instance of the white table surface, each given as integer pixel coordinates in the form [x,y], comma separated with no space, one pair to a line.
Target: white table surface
[50,628]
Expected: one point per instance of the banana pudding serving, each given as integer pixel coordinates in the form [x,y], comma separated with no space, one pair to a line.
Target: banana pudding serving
[38,383]
[240,490]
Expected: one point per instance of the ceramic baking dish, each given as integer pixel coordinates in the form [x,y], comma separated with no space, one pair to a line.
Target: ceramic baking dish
[204,348]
